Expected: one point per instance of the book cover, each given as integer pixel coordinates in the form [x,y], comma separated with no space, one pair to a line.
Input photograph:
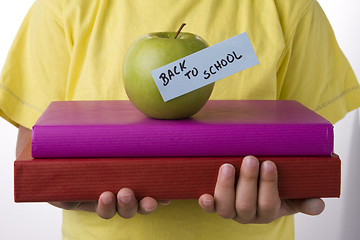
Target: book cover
[84,179]
[73,129]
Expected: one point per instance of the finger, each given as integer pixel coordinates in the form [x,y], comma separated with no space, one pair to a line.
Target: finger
[247,190]
[164,202]
[312,206]
[67,205]
[307,206]
[207,203]
[106,207]
[127,205]
[224,194]
[268,200]
[147,205]
[85,206]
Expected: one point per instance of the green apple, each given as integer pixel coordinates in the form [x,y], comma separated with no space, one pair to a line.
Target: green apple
[150,52]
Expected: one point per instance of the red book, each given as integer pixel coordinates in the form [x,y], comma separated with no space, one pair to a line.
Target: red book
[72,129]
[82,179]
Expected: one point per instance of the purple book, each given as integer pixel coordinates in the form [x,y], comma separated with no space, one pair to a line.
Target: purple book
[72,129]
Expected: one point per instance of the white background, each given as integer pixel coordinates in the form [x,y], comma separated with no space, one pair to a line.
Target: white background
[340,219]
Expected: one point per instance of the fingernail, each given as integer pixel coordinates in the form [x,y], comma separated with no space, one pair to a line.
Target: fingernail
[227,170]
[164,202]
[207,203]
[125,198]
[107,200]
[269,166]
[251,161]
[148,209]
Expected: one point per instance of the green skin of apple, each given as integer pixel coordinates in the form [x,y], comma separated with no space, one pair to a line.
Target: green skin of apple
[150,52]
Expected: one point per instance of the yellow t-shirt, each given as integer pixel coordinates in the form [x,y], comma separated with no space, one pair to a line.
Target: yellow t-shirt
[74,50]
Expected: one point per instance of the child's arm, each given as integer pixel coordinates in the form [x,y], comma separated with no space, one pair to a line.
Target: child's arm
[255,199]
[24,136]
[125,203]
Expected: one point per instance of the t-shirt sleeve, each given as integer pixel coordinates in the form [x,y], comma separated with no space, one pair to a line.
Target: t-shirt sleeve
[314,71]
[35,71]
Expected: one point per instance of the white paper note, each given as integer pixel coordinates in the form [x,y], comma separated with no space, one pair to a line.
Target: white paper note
[205,66]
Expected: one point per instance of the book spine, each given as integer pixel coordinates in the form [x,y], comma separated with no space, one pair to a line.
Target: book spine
[192,140]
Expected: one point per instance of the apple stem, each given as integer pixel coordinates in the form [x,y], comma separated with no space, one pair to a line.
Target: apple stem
[178,32]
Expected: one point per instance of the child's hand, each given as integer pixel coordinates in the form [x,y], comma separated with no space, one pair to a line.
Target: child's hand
[125,204]
[255,198]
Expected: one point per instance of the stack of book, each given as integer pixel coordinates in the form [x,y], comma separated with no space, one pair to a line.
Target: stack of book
[80,149]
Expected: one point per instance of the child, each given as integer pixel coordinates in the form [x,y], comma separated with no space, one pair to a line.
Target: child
[74,50]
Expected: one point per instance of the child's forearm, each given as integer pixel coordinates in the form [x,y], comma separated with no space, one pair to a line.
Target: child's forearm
[23,138]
